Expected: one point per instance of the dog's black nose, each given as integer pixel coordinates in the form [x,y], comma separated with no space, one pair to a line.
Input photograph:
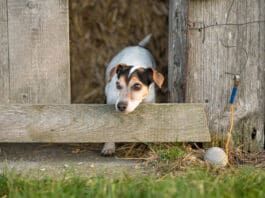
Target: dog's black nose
[122,106]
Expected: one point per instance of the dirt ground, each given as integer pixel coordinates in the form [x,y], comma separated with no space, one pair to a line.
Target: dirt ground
[56,160]
[101,28]
[59,160]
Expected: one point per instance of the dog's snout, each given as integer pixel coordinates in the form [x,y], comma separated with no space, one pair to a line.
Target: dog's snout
[122,106]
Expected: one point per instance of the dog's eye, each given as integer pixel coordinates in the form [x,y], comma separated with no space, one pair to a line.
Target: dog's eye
[118,86]
[137,87]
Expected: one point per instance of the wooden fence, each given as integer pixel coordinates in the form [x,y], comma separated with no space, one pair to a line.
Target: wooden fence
[35,88]
[207,40]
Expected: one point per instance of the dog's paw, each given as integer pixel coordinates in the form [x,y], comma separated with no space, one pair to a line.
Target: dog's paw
[108,149]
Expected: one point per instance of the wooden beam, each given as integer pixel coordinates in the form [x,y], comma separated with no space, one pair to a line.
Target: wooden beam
[39,66]
[178,49]
[101,123]
[4,67]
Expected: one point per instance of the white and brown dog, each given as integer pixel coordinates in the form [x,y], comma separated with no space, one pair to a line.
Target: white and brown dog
[130,78]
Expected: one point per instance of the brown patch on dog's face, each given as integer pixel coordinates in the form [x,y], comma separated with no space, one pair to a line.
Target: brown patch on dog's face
[133,87]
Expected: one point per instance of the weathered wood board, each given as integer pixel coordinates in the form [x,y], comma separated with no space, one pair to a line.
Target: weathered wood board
[101,123]
[229,36]
[4,67]
[177,49]
[34,52]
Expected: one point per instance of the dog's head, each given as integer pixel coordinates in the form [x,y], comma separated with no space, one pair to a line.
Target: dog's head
[132,85]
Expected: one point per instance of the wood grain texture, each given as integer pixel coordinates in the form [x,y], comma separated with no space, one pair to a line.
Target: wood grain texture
[39,65]
[101,123]
[178,49]
[228,36]
[4,67]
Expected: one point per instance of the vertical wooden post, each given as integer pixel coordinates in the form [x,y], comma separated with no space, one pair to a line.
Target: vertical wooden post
[38,66]
[4,67]
[228,36]
[178,49]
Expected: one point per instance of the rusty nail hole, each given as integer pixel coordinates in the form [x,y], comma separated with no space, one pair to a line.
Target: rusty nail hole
[254,133]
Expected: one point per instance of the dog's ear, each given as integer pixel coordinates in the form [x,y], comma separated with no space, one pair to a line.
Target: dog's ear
[121,68]
[116,70]
[112,73]
[156,77]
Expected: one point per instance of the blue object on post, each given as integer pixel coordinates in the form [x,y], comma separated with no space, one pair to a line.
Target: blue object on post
[233,95]
[234,90]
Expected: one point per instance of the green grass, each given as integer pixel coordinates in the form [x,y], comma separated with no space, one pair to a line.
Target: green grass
[241,182]
[169,153]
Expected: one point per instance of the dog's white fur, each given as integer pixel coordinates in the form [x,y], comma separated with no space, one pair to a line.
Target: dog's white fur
[136,56]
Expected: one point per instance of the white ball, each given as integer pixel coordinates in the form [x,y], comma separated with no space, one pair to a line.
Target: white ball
[216,156]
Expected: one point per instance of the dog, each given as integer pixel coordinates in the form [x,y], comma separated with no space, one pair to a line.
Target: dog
[130,80]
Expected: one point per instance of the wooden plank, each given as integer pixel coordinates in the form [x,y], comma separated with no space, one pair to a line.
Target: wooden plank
[39,51]
[4,69]
[178,49]
[101,123]
[228,36]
